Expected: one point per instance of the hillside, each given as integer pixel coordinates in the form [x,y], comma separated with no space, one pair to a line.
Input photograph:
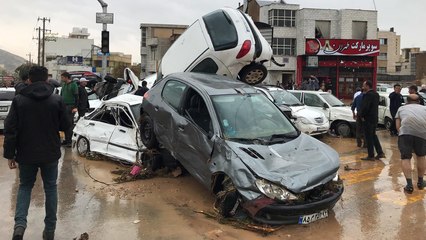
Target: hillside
[10,61]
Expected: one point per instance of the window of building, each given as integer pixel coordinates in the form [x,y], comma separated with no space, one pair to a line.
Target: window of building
[383,41]
[143,40]
[383,56]
[381,70]
[282,18]
[359,30]
[398,68]
[284,46]
[322,29]
[153,53]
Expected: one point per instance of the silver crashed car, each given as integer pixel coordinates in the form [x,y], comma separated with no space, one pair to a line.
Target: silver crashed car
[112,129]
[239,144]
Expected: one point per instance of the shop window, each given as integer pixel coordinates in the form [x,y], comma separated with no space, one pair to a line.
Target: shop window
[359,30]
[322,29]
[282,18]
[284,46]
[383,41]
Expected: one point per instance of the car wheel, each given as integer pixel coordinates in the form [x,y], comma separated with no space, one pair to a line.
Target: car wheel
[83,146]
[388,123]
[343,129]
[253,74]
[147,132]
[152,161]
[227,199]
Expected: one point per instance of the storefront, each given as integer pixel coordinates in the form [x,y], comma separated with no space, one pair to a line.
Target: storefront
[341,64]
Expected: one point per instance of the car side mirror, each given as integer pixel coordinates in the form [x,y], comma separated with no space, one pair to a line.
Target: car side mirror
[325,106]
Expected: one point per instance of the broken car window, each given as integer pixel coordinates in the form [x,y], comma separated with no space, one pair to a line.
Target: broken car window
[195,109]
[106,115]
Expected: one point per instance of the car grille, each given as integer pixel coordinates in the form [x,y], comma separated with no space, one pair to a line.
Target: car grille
[319,120]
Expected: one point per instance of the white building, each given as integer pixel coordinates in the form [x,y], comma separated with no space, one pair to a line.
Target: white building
[69,53]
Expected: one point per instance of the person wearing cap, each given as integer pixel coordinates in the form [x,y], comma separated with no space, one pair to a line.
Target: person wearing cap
[83,101]
[69,93]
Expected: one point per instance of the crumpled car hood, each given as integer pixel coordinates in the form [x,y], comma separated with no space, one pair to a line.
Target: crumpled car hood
[299,165]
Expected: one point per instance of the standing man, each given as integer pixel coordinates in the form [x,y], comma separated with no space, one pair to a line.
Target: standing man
[356,106]
[396,101]
[83,100]
[32,142]
[410,123]
[142,90]
[413,90]
[369,113]
[69,93]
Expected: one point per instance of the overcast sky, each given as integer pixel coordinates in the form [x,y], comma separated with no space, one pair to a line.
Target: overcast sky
[18,19]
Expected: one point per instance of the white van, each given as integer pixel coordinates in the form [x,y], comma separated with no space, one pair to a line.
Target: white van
[339,115]
[225,42]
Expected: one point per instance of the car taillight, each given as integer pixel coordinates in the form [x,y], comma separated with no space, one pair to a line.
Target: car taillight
[244,49]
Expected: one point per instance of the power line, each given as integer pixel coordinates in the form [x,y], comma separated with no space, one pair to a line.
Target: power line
[374,2]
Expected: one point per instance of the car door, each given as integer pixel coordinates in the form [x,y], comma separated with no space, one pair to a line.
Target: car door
[166,112]
[314,101]
[382,109]
[100,128]
[194,131]
[123,143]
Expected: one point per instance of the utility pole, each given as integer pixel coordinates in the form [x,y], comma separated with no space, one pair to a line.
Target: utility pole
[44,32]
[39,45]
[29,58]
[104,18]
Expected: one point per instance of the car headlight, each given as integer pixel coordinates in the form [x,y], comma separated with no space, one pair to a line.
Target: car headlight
[303,120]
[336,178]
[274,191]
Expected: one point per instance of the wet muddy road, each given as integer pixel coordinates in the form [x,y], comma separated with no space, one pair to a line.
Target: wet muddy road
[373,205]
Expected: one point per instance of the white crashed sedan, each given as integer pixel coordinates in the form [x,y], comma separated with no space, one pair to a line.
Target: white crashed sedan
[111,129]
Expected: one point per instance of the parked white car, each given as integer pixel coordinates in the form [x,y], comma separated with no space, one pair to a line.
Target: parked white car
[111,129]
[385,117]
[6,97]
[339,115]
[224,42]
[309,121]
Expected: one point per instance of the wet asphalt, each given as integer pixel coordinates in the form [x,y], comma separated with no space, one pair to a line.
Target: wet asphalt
[373,205]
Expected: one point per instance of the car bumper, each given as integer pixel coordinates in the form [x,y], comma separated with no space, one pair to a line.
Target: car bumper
[313,129]
[278,214]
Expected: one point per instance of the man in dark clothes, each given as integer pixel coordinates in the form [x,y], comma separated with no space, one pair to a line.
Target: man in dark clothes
[413,90]
[142,90]
[369,113]
[396,100]
[83,100]
[31,139]
[69,93]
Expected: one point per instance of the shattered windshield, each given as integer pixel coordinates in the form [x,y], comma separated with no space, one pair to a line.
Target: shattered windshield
[332,100]
[282,97]
[252,117]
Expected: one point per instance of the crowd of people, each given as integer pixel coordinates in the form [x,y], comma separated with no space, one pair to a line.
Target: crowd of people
[408,123]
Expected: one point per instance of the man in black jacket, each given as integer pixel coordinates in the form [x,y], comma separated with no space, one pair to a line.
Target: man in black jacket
[369,113]
[83,100]
[396,101]
[31,139]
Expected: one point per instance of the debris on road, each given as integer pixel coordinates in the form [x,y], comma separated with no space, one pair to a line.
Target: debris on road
[83,236]
[347,168]
[136,221]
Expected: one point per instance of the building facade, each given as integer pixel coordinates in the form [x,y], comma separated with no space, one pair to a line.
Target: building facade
[295,29]
[114,59]
[390,52]
[155,41]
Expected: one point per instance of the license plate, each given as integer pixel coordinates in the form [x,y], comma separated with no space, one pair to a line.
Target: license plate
[306,219]
[3,109]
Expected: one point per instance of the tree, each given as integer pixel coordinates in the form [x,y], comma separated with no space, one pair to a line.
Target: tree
[118,71]
[22,71]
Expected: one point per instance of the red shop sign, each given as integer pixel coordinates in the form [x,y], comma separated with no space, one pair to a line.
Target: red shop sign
[342,47]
